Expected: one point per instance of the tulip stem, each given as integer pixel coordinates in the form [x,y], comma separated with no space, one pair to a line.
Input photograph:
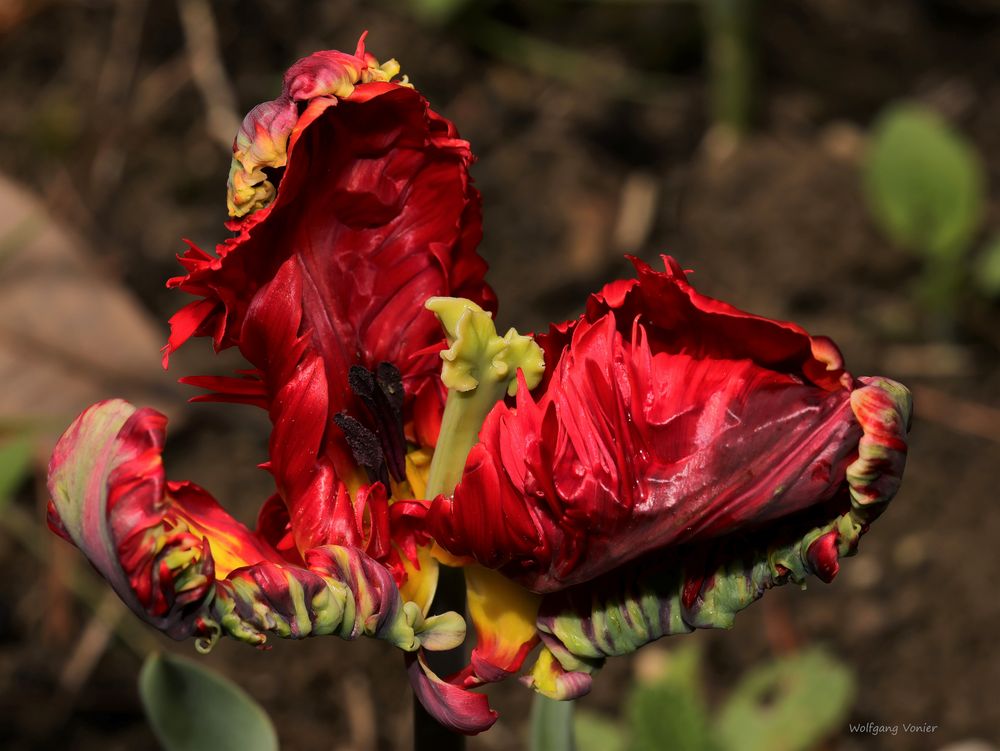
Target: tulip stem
[428,733]
[464,413]
[479,368]
[552,724]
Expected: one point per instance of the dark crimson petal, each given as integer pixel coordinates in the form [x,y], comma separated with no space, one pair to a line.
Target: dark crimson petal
[374,213]
[679,319]
[669,418]
[707,584]
[378,210]
[456,708]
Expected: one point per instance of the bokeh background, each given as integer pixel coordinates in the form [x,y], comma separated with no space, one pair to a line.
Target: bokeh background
[733,135]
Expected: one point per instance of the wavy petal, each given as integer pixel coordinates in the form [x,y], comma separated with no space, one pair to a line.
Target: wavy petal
[188,568]
[669,418]
[503,614]
[679,319]
[706,585]
[456,708]
[372,213]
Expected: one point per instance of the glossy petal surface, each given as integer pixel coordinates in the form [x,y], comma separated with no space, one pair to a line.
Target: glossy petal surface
[669,418]
[706,584]
[374,213]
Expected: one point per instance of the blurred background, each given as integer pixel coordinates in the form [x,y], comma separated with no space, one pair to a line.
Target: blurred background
[833,162]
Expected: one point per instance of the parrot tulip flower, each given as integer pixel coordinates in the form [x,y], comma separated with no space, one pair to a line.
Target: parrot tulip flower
[646,469]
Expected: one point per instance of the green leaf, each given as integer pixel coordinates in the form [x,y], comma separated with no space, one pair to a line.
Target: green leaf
[924,182]
[670,712]
[788,705]
[551,725]
[988,270]
[437,11]
[15,463]
[595,732]
[192,708]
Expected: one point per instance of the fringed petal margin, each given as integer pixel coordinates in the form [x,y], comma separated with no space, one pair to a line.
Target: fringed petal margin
[353,205]
[188,568]
[705,586]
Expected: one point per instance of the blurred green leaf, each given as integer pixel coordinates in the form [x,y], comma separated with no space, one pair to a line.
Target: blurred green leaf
[988,270]
[192,708]
[670,712]
[437,11]
[15,463]
[924,182]
[595,732]
[787,705]
[551,724]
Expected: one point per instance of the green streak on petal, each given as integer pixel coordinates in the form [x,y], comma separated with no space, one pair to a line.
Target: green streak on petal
[77,490]
[442,632]
[300,612]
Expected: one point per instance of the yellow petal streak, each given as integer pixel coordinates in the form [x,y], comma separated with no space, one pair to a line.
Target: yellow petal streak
[503,613]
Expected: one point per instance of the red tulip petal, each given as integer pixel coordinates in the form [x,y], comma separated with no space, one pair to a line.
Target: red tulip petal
[705,585]
[456,708]
[669,418]
[184,565]
[373,213]
[503,614]
[159,547]
[679,319]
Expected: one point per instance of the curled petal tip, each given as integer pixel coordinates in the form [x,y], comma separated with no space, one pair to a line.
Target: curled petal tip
[107,487]
[823,556]
[440,632]
[456,708]
[264,136]
[188,568]
[549,678]
[262,142]
[883,409]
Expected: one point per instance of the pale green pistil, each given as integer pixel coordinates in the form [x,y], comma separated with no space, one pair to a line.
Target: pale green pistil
[480,367]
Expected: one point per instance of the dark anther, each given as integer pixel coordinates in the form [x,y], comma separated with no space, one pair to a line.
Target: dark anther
[365,447]
[382,393]
[390,381]
[362,382]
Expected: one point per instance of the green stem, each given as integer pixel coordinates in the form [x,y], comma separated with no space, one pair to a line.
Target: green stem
[729,27]
[464,413]
[552,724]
[479,367]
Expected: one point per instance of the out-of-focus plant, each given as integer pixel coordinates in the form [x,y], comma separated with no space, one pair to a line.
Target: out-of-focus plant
[988,269]
[193,708]
[732,62]
[926,189]
[15,464]
[787,704]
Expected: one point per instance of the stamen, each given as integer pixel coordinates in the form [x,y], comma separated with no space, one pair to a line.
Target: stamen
[365,447]
[382,393]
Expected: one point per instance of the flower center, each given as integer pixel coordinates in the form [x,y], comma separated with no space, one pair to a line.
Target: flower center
[376,440]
